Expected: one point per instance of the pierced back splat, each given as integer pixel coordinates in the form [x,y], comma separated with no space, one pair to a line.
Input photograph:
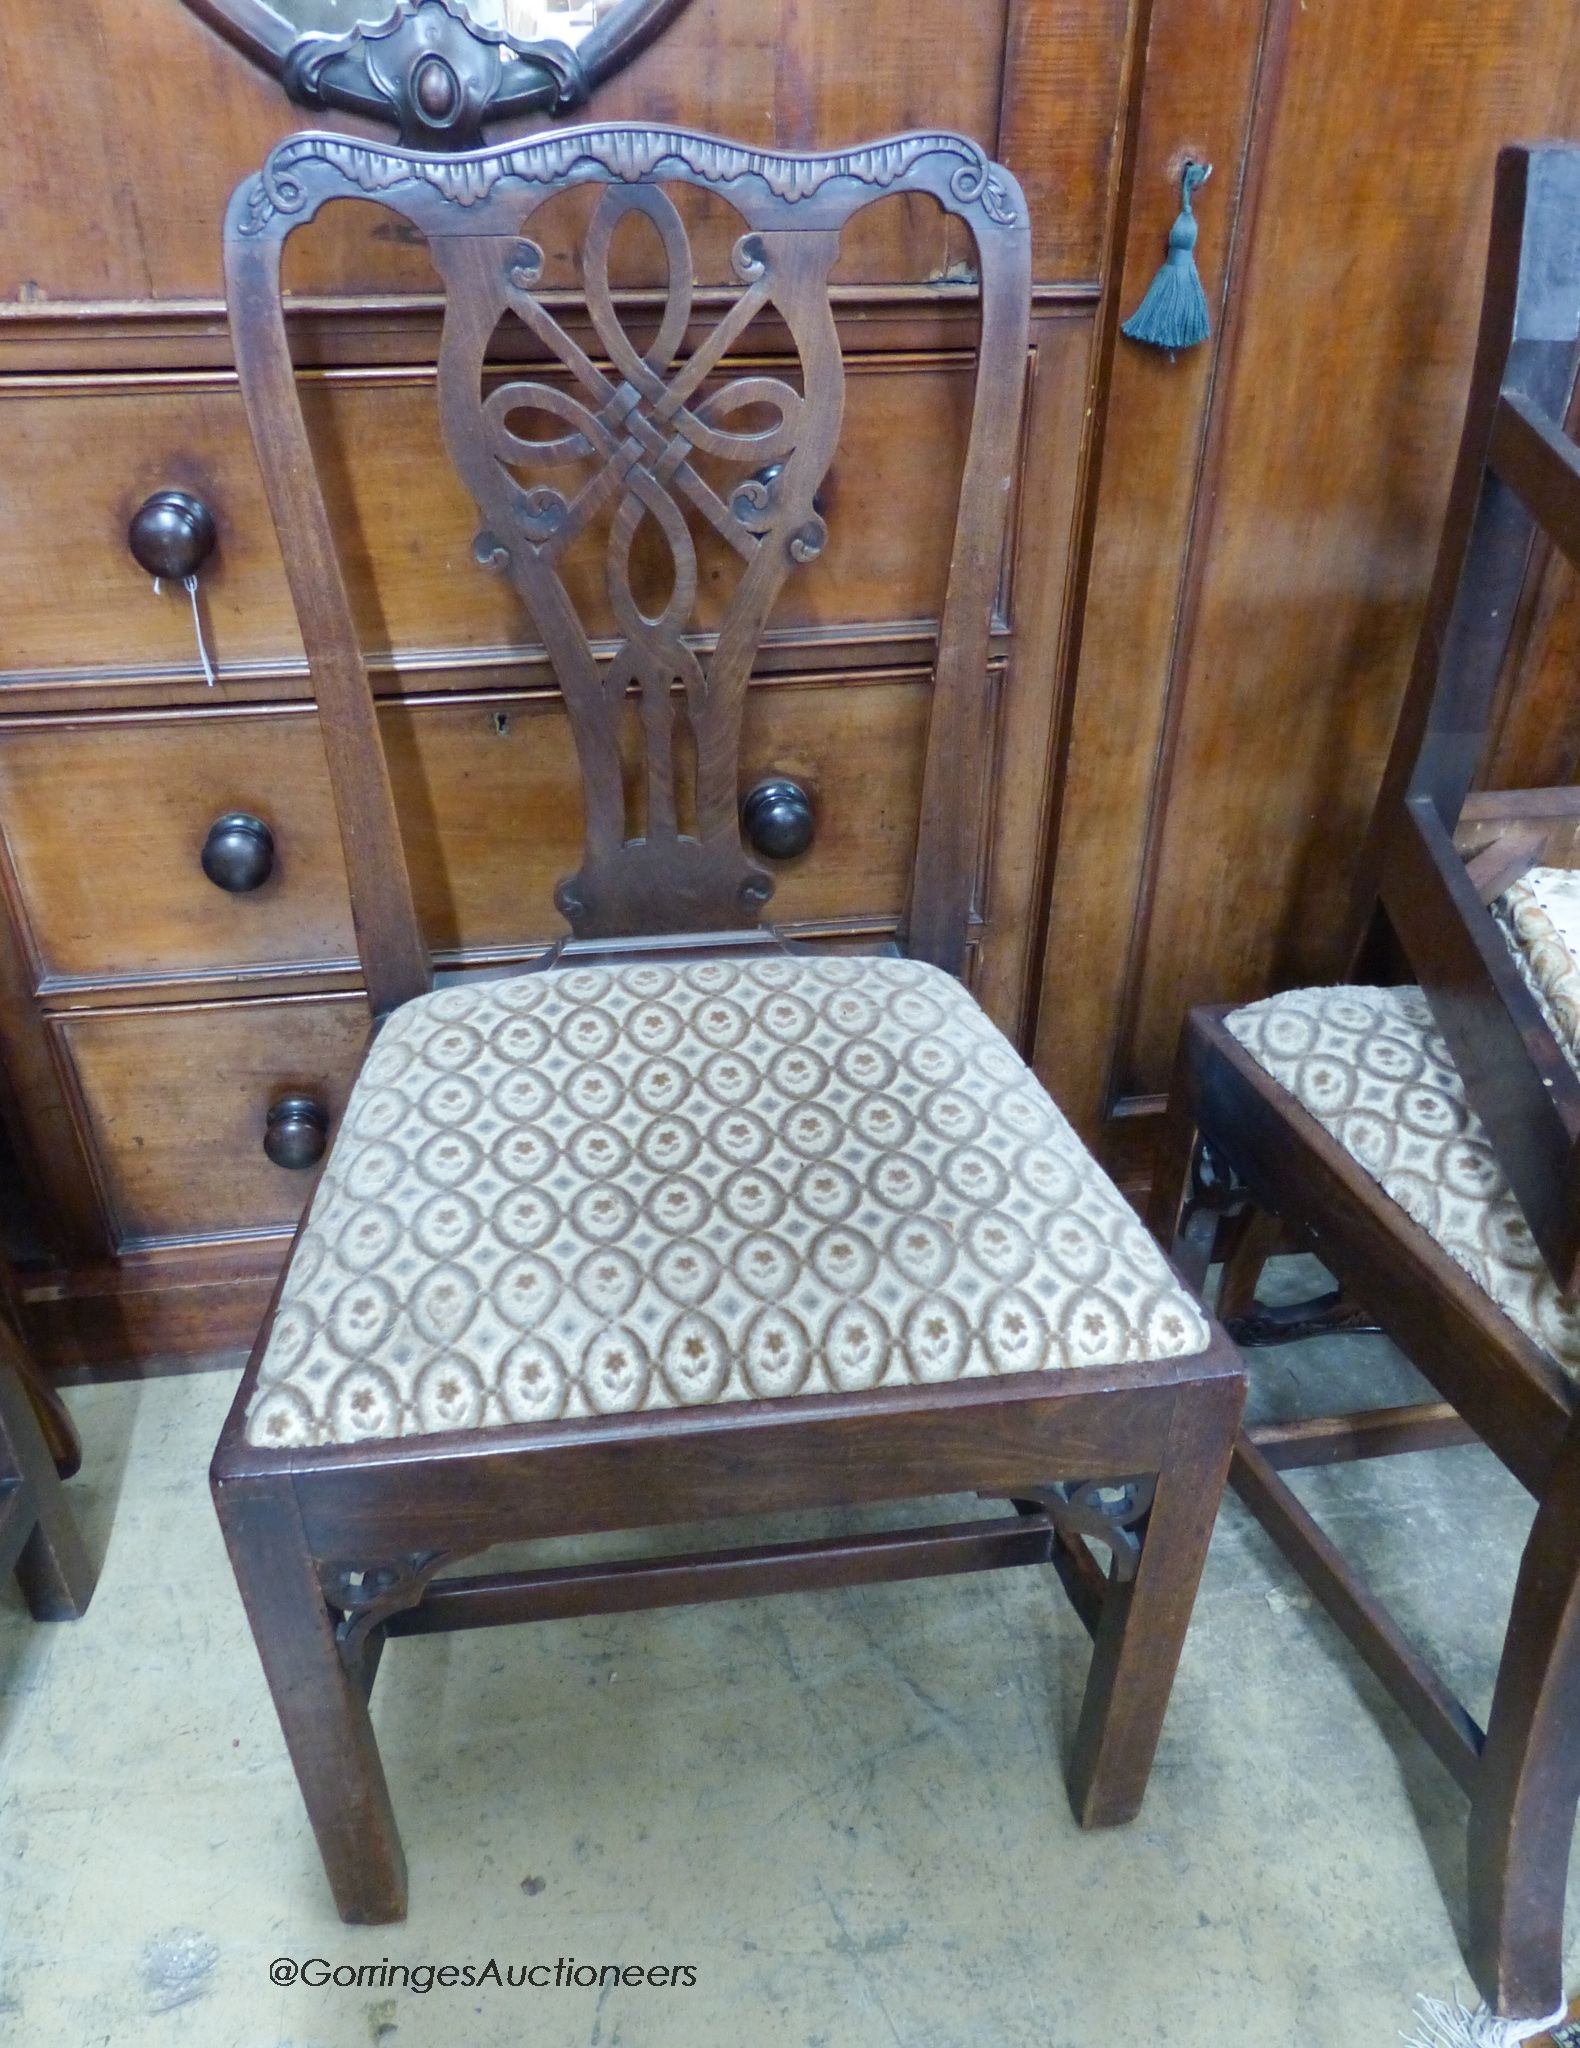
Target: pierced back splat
[632,428]
[654,445]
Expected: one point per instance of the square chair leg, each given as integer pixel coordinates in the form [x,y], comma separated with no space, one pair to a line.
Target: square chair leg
[322,1705]
[1143,1621]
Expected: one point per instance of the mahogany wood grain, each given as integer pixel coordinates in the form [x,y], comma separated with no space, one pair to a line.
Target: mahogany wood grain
[949,831]
[394,960]
[173,1101]
[1193,85]
[1537,460]
[104,281]
[39,1539]
[1072,56]
[781,75]
[1306,625]
[1513,853]
[1022,760]
[172,1308]
[323,1710]
[1523,1776]
[1536,744]
[490,813]
[50,1412]
[1365,1433]
[1432,1709]
[1122,1712]
[86,453]
[490,1600]
[1523,1806]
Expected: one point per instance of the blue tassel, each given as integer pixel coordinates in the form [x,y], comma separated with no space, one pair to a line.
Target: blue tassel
[1173,315]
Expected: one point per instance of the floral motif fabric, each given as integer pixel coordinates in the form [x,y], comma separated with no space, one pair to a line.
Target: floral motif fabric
[596,1190]
[1540,916]
[1373,1069]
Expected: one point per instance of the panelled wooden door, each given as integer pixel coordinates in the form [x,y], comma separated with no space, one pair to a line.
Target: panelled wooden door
[1267,511]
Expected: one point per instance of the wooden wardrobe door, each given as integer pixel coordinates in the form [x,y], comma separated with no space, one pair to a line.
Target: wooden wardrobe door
[1269,505]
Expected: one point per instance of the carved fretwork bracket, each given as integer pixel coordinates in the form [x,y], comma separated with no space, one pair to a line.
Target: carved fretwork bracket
[365,1596]
[1112,1512]
[1215,1187]
[1216,1194]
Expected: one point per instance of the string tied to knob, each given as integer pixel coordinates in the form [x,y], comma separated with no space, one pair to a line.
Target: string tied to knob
[1174,314]
[189,585]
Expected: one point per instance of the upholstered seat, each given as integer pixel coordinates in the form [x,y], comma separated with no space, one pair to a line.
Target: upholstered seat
[1371,1066]
[1540,917]
[602,1189]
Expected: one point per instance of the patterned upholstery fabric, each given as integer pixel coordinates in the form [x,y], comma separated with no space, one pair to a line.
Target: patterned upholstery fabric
[1372,1068]
[594,1190]
[1540,916]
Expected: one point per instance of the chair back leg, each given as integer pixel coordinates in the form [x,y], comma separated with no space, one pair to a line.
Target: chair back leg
[1522,1813]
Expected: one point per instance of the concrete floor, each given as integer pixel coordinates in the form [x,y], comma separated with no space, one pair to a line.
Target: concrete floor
[844,1811]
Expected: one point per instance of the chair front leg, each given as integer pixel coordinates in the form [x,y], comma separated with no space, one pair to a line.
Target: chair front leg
[1141,1628]
[1522,1813]
[322,1707]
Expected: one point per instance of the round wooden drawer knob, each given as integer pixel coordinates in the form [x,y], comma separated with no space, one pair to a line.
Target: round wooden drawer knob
[172,534]
[296,1132]
[778,818]
[238,854]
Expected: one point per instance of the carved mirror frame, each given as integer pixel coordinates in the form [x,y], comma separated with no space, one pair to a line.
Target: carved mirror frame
[427,66]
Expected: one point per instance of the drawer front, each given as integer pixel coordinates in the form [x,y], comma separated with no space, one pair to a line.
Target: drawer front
[173,1104]
[81,460]
[104,823]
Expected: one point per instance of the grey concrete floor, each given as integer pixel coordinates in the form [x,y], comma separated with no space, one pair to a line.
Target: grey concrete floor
[845,1812]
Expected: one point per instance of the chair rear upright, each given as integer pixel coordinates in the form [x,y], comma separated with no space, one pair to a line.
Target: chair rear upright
[1437,854]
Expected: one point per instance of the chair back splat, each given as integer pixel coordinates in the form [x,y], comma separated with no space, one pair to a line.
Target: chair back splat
[659,434]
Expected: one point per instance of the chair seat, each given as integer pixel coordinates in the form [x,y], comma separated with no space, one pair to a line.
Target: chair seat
[1540,917]
[594,1190]
[1371,1066]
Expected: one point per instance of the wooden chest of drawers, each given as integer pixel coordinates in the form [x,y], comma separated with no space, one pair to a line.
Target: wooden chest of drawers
[150,1018]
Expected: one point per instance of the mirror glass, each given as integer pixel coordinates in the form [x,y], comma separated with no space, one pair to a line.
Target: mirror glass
[530,21]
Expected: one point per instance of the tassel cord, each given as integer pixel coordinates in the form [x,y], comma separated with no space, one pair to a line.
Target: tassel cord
[1174,314]
[1456,2026]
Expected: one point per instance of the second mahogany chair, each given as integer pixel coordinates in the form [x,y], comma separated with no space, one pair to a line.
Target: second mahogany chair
[1422,1141]
[692,1223]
